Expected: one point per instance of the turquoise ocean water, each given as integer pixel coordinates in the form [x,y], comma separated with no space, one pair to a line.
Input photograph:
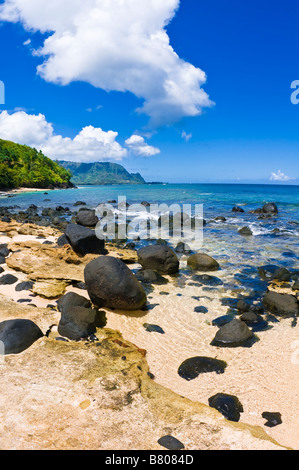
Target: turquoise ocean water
[274,240]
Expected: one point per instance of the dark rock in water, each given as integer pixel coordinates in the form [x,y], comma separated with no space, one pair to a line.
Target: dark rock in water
[171,443]
[271,208]
[220,218]
[25,285]
[182,248]
[201,309]
[295,286]
[266,272]
[281,274]
[273,419]
[243,306]
[110,283]
[160,258]
[202,262]
[154,328]
[145,203]
[71,299]
[246,231]
[237,209]
[230,302]
[79,322]
[207,280]
[151,277]
[84,240]
[281,304]
[8,279]
[223,320]
[249,317]
[191,368]
[24,301]
[228,405]
[4,251]
[233,334]
[87,217]
[62,240]
[18,335]
[80,203]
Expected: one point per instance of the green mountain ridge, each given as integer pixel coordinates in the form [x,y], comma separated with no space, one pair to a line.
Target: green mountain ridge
[99,173]
[25,167]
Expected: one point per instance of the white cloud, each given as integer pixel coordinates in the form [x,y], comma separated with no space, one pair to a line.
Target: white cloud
[186,136]
[279,176]
[139,147]
[119,45]
[89,145]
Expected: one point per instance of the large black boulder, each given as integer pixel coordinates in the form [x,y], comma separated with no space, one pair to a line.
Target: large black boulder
[160,258]
[78,322]
[71,299]
[233,334]
[84,240]
[87,217]
[18,335]
[110,283]
[202,262]
[270,208]
[281,304]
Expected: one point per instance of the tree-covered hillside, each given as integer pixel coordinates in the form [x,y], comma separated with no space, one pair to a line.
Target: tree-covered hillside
[25,167]
[101,173]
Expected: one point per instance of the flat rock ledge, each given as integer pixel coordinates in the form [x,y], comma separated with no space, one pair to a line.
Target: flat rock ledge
[100,395]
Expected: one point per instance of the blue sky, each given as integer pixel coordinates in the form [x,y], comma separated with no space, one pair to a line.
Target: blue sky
[249,53]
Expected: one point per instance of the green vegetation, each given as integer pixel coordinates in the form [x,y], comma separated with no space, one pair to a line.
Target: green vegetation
[25,167]
[101,173]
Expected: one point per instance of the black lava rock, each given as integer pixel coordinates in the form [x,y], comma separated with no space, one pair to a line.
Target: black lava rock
[25,285]
[72,299]
[78,322]
[154,328]
[84,240]
[110,283]
[171,443]
[8,279]
[228,405]
[191,368]
[233,334]
[273,419]
[18,335]
[281,304]
[159,258]
[87,217]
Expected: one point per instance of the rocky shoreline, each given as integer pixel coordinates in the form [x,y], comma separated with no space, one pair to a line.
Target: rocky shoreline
[67,370]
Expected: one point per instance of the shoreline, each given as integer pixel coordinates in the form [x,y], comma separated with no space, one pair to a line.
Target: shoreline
[262,376]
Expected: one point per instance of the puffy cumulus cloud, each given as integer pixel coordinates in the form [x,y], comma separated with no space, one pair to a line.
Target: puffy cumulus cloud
[119,45]
[139,147]
[91,144]
[279,176]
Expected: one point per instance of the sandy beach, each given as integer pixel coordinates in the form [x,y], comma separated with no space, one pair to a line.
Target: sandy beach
[262,376]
